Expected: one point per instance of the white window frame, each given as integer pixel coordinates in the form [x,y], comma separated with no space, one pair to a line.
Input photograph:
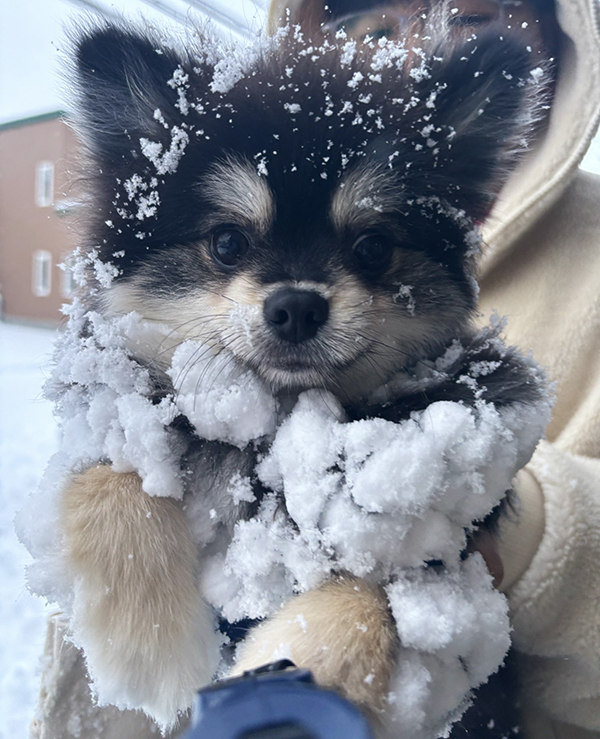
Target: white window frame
[44,184]
[41,273]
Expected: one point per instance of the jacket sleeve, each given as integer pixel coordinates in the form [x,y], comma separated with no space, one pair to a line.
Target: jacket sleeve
[551,550]
[66,707]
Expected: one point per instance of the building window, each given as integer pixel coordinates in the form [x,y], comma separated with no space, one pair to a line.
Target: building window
[44,184]
[68,282]
[42,273]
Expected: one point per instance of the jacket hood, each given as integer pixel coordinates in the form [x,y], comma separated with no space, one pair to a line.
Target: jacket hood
[552,162]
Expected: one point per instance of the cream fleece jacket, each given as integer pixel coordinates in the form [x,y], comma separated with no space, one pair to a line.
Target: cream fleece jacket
[541,269]
[549,289]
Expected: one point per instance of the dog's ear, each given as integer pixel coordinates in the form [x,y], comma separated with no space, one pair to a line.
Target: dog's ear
[476,109]
[128,87]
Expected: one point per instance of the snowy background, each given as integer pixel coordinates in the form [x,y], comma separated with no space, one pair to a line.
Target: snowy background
[28,437]
[32,39]
[31,31]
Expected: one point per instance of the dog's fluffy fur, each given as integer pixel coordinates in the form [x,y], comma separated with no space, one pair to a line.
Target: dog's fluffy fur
[315,174]
[136,563]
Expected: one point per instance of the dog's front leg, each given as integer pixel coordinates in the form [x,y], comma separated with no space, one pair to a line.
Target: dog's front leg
[138,615]
[343,632]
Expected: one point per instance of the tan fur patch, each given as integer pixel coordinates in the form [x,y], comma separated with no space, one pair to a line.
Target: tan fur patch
[343,632]
[235,188]
[140,614]
[364,196]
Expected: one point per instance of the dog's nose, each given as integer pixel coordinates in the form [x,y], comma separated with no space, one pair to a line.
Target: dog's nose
[295,315]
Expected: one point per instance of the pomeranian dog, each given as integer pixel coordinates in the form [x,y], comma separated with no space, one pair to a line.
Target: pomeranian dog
[314,212]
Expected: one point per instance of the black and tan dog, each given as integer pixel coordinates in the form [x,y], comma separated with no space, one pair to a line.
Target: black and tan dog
[313,212]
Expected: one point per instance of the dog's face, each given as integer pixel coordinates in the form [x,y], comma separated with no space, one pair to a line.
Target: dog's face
[316,217]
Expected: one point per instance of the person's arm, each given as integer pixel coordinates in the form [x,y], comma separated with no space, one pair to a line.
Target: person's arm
[550,550]
[66,707]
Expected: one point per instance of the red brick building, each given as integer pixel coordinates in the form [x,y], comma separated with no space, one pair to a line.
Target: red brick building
[36,157]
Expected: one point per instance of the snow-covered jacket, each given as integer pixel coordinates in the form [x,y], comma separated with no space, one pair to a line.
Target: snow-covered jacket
[541,269]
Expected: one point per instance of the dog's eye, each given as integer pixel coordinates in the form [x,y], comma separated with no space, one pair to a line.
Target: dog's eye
[228,247]
[373,252]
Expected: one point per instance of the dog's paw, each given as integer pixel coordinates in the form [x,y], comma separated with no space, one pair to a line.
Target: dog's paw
[147,635]
[343,632]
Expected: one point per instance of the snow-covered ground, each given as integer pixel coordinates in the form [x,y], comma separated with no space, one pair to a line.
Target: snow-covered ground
[28,437]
